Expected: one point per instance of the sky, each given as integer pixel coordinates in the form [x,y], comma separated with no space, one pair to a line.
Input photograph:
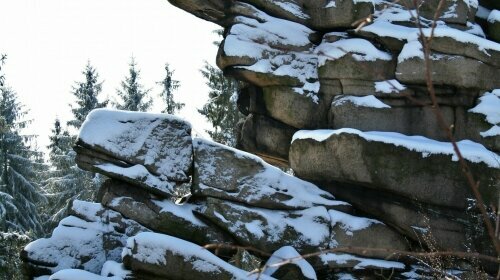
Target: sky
[48,44]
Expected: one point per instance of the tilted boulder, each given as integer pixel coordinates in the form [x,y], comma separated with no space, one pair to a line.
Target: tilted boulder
[158,256]
[306,230]
[226,173]
[374,159]
[268,230]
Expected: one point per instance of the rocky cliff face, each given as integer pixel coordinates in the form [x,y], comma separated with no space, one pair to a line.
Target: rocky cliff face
[335,90]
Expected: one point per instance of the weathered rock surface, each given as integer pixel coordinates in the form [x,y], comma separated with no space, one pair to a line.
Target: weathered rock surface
[373,159]
[228,174]
[305,230]
[268,230]
[428,178]
[160,215]
[155,150]
[267,138]
[450,70]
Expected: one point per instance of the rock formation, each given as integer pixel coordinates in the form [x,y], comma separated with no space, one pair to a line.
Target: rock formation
[345,106]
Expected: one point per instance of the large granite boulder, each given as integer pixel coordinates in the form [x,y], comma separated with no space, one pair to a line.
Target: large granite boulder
[450,70]
[153,151]
[373,159]
[428,178]
[225,173]
[158,256]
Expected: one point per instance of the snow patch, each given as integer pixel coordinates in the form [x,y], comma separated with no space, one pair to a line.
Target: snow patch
[494,16]
[350,223]
[288,253]
[412,49]
[389,86]
[360,49]
[362,262]
[369,101]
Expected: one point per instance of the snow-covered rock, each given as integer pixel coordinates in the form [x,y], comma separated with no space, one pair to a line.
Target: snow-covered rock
[153,151]
[158,256]
[413,169]
[226,173]
[298,268]
[86,239]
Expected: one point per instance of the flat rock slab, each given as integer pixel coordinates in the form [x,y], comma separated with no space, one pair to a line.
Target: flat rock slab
[159,142]
[429,172]
[87,239]
[226,173]
[447,70]
[167,257]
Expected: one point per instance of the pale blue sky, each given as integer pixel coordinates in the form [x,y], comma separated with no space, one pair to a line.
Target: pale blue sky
[48,43]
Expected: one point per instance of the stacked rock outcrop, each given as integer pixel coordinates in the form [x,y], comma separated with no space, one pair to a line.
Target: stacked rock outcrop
[357,69]
[335,90]
[235,198]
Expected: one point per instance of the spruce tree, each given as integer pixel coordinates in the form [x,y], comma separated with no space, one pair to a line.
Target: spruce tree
[221,109]
[20,169]
[134,96]
[169,86]
[86,93]
[65,182]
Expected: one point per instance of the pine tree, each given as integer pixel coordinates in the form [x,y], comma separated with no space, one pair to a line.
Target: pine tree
[65,181]
[20,169]
[221,109]
[86,94]
[3,57]
[134,96]
[169,86]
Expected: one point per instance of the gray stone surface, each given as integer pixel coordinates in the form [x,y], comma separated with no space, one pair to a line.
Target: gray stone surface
[428,178]
[161,215]
[225,173]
